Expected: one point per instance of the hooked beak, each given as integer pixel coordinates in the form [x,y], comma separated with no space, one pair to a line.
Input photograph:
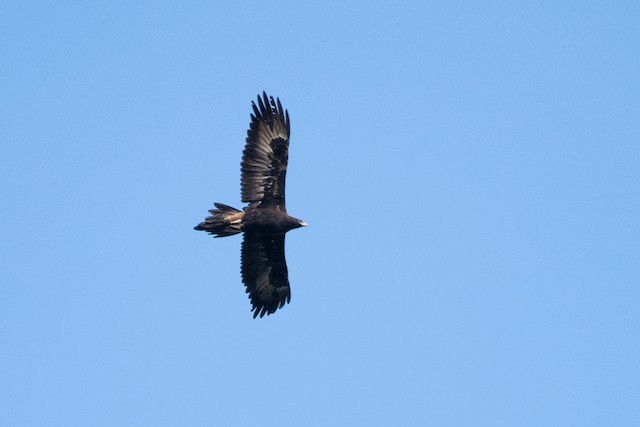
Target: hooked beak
[303,224]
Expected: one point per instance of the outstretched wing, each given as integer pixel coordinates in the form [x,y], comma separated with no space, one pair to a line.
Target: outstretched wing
[266,152]
[264,272]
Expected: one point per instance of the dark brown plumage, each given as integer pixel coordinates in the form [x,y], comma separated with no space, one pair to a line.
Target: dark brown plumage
[265,220]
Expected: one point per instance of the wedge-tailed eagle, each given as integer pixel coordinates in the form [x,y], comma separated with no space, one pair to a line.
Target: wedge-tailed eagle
[265,220]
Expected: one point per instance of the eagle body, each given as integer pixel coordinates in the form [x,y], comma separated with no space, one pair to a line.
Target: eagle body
[268,220]
[265,220]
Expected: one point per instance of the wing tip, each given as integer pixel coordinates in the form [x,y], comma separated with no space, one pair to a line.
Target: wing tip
[269,107]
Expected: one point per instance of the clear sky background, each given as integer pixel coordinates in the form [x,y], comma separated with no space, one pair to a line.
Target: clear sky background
[470,172]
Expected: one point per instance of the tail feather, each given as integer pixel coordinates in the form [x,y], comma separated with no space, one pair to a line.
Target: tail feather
[224,221]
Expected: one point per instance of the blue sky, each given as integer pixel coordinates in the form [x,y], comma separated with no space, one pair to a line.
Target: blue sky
[470,172]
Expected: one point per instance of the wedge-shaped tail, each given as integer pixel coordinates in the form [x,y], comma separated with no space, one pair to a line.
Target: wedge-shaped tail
[224,221]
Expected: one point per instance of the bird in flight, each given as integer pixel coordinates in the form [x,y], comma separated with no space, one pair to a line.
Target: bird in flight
[264,221]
